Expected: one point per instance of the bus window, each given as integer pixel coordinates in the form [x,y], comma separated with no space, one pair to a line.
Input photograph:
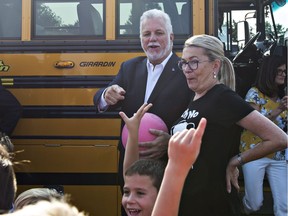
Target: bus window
[10,19]
[228,32]
[72,18]
[130,12]
[279,10]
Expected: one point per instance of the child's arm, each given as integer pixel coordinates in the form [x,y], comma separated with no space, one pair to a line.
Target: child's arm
[133,123]
[183,151]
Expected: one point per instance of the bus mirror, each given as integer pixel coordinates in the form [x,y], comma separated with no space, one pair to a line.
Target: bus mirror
[242,33]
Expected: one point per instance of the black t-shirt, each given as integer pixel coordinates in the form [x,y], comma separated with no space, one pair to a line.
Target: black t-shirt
[204,191]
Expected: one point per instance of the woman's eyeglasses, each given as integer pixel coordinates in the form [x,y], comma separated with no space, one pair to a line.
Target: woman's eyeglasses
[193,65]
[281,72]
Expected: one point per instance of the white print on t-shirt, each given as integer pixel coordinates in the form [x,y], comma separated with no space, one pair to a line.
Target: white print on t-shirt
[190,114]
[182,125]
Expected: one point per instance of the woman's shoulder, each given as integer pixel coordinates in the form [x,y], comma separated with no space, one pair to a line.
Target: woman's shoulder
[223,90]
[228,96]
[254,95]
[253,91]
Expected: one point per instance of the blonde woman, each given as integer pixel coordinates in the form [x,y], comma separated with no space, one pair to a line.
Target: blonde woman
[208,187]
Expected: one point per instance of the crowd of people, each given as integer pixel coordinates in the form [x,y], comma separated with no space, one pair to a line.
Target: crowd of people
[193,169]
[211,79]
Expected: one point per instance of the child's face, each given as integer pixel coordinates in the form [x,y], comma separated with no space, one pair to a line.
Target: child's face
[139,195]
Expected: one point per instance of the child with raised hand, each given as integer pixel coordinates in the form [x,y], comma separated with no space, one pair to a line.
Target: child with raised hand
[146,175]
[142,177]
[133,124]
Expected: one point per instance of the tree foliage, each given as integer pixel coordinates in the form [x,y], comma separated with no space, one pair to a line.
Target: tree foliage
[279,28]
[46,17]
[134,18]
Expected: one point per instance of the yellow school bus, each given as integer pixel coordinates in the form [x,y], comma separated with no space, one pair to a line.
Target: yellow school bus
[54,56]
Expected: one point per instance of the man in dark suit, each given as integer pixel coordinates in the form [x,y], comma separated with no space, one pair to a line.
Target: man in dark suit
[153,79]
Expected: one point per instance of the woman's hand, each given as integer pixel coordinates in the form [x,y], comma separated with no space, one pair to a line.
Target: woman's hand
[283,104]
[232,174]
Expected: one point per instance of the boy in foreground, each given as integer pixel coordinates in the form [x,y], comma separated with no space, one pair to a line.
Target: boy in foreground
[143,177]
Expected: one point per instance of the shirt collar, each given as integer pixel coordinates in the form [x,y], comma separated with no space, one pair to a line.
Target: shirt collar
[163,63]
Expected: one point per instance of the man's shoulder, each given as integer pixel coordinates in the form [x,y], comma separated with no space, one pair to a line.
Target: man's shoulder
[143,58]
[175,56]
[136,60]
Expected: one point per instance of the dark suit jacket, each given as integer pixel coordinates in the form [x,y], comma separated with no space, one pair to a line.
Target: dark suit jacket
[170,96]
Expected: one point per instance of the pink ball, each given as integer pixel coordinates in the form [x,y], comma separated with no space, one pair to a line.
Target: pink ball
[148,121]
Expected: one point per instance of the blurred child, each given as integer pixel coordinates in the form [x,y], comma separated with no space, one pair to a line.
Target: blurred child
[48,208]
[34,195]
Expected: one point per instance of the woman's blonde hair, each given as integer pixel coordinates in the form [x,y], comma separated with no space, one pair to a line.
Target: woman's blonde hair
[214,50]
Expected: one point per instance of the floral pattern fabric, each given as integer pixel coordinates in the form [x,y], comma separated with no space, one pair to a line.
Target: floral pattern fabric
[248,139]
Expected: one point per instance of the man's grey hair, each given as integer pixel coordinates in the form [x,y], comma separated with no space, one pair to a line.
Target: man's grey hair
[158,14]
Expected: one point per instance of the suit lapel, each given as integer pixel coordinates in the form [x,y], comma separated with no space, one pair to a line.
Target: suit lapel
[168,73]
[141,80]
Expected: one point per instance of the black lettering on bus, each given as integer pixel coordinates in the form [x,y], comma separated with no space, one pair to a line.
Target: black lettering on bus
[3,67]
[97,64]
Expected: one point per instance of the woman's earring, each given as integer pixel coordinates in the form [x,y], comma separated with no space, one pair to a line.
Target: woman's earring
[214,75]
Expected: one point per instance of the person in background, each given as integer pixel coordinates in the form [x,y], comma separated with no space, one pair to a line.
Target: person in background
[10,111]
[268,97]
[34,195]
[8,185]
[208,187]
[154,78]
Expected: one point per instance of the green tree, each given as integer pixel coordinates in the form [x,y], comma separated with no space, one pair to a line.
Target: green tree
[279,28]
[46,17]
[132,23]
[234,31]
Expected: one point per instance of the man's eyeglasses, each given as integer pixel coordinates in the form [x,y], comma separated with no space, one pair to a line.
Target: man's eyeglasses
[193,65]
[281,72]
